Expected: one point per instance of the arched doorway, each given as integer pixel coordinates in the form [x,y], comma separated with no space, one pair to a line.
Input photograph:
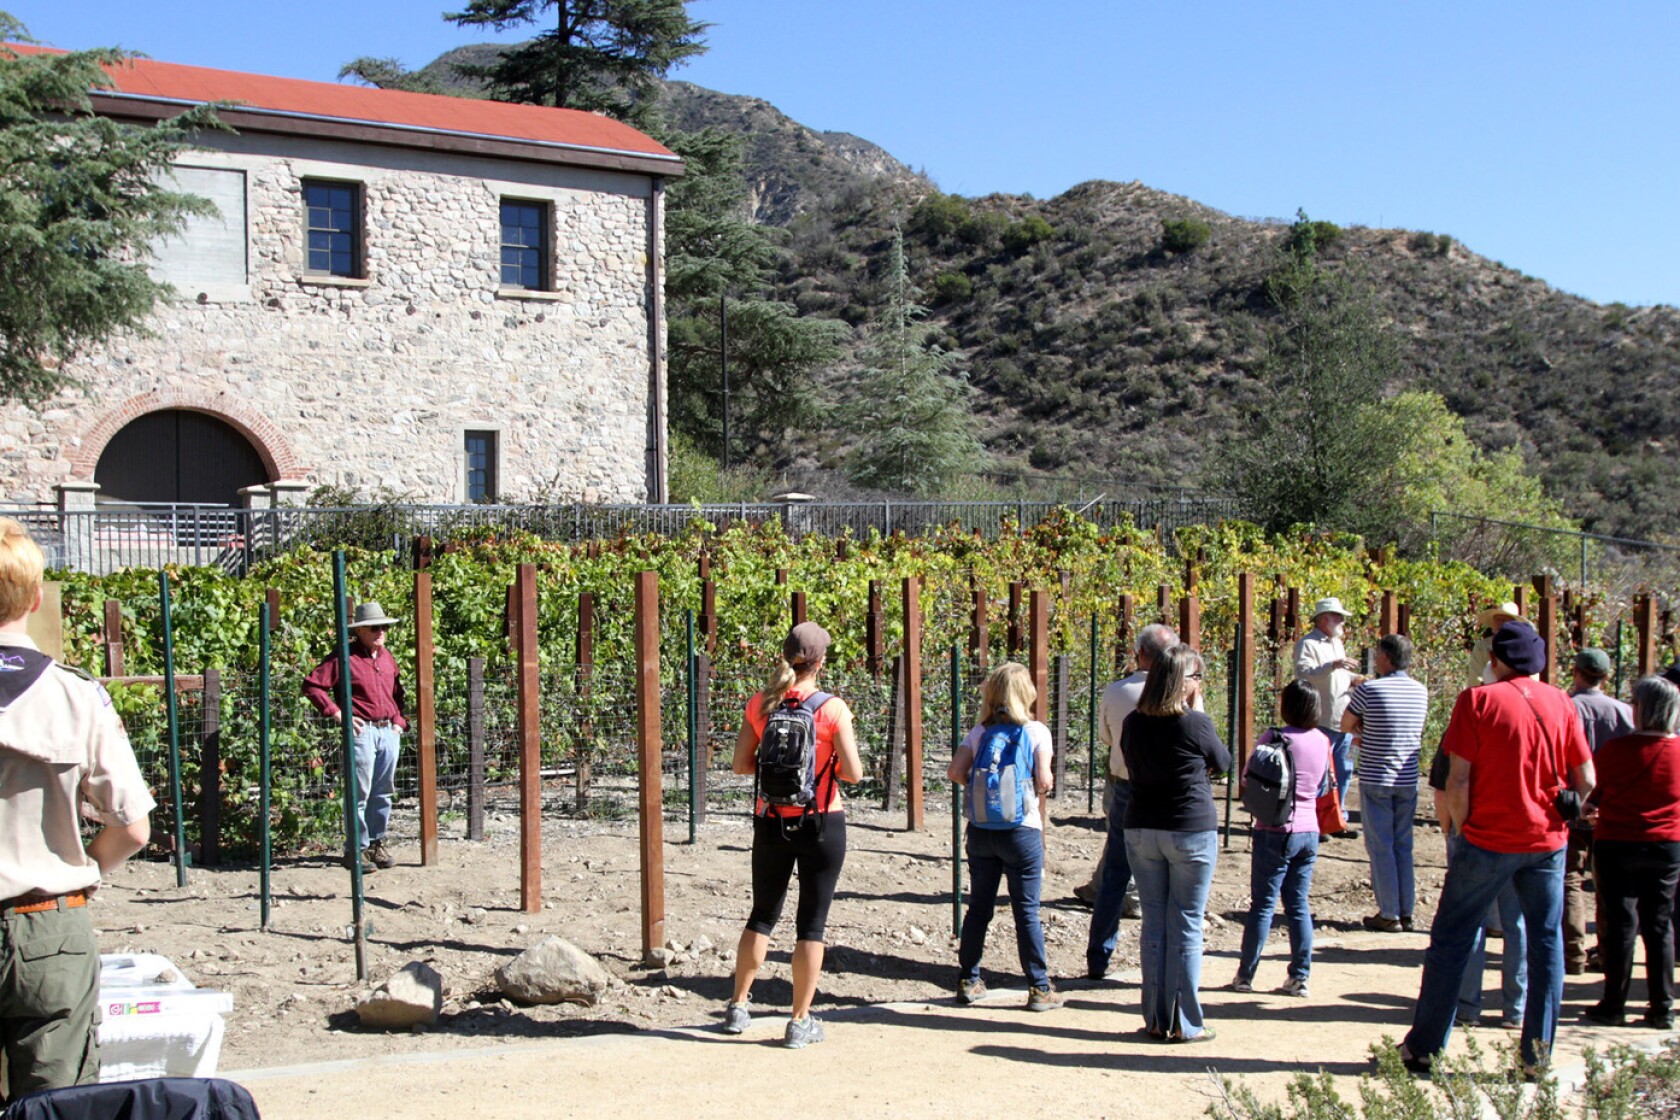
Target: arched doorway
[178,455]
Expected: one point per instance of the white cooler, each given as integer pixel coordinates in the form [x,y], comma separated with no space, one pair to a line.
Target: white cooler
[154,1023]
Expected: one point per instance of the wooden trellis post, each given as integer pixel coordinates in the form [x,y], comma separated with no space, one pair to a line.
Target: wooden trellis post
[649,780]
[912,702]
[530,741]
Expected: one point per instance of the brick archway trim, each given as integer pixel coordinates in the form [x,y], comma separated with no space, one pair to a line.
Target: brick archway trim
[275,450]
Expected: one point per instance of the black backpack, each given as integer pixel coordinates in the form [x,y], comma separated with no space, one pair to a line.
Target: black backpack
[787,753]
[1268,784]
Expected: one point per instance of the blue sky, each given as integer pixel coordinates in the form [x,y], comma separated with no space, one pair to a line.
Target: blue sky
[1544,135]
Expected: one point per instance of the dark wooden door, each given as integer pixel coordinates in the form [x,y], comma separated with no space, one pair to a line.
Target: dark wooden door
[178,456]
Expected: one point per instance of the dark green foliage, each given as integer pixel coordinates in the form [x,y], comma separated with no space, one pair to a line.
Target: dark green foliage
[1184,235]
[1023,235]
[953,287]
[1308,238]
[937,217]
[1426,244]
[82,198]
[598,55]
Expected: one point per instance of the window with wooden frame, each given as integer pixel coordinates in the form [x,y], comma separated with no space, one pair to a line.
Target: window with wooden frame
[482,484]
[525,245]
[332,228]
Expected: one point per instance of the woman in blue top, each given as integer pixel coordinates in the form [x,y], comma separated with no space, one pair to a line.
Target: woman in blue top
[1284,854]
[1172,838]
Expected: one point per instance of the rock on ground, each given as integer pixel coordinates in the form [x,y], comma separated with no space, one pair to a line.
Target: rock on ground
[553,971]
[413,995]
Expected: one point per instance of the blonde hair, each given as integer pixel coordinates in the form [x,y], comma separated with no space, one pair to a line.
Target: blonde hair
[21,565]
[1164,691]
[1008,694]
[782,676]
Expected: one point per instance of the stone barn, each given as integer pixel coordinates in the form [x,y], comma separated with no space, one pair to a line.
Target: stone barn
[449,299]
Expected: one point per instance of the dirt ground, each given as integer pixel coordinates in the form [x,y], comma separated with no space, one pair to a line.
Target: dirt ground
[891,962]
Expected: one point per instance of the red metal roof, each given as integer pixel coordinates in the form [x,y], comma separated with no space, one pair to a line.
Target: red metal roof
[168,81]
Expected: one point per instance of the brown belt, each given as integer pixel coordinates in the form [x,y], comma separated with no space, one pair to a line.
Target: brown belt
[23,904]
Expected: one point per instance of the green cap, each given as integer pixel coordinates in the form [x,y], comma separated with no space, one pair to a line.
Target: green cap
[1593,662]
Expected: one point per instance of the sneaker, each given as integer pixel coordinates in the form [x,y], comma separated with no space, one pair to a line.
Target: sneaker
[1207,1035]
[1240,985]
[1086,893]
[736,1018]
[803,1032]
[1294,986]
[971,992]
[1043,999]
[1376,923]
[1131,907]
[380,857]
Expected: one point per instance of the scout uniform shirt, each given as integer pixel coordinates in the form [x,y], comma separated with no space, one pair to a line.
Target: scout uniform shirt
[62,745]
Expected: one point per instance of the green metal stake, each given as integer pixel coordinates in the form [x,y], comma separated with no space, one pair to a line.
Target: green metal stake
[172,706]
[1618,657]
[352,827]
[1091,727]
[956,793]
[1231,727]
[265,776]
[693,736]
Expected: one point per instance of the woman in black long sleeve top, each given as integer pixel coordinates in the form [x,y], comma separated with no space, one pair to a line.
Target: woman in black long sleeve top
[1171,838]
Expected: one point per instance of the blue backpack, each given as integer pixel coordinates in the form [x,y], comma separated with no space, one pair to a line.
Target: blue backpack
[1000,786]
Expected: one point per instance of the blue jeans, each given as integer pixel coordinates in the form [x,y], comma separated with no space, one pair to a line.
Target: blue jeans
[1341,759]
[1475,878]
[376,774]
[1513,963]
[1283,864]
[1116,876]
[1173,871]
[994,853]
[1386,813]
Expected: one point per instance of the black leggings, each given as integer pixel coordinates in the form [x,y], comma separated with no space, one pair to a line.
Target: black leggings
[816,846]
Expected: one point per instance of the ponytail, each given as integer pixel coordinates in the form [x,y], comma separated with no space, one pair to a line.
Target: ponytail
[781,679]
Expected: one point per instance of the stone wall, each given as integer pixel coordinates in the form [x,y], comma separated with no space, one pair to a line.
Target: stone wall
[370,383]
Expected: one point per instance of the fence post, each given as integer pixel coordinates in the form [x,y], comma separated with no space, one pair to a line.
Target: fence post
[1059,729]
[210,770]
[272,594]
[173,711]
[1244,670]
[1519,596]
[425,707]
[475,748]
[690,666]
[1190,621]
[1547,625]
[584,763]
[1645,621]
[530,743]
[649,774]
[265,783]
[914,795]
[1015,589]
[1292,617]
[1388,615]
[1164,606]
[798,605]
[874,631]
[1403,623]
[895,737]
[113,638]
[703,721]
[979,633]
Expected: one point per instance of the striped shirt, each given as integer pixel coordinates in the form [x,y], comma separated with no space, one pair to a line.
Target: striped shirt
[1391,713]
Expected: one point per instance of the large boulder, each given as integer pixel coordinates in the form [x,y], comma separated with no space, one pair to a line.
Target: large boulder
[553,971]
[412,996]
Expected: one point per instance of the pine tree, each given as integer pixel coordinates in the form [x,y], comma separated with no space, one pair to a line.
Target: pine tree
[909,407]
[82,198]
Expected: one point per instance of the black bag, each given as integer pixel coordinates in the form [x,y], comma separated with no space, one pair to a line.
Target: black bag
[1268,781]
[787,753]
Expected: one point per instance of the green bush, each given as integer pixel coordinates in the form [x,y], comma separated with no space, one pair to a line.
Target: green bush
[937,217]
[983,230]
[1023,235]
[1426,244]
[1184,235]
[952,287]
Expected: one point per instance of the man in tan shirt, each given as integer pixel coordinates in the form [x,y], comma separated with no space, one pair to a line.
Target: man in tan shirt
[62,746]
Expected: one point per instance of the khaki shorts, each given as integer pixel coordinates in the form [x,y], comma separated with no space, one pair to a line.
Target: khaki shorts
[49,988]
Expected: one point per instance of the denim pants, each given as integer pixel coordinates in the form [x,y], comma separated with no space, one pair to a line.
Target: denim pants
[1173,872]
[1116,877]
[1341,761]
[994,854]
[1386,812]
[376,774]
[1475,878]
[1506,916]
[1283,864]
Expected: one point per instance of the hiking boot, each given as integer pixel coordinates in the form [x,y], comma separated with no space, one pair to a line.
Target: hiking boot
[380,857]
[1376,923]
[803,1032]
[1131,907]
[368,867]
[1043,999]
[736,1018]
[1086,893]
[1294,986]
[971,992]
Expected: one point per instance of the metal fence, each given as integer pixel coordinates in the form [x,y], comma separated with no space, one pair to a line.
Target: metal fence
[1619,566]
[147,536]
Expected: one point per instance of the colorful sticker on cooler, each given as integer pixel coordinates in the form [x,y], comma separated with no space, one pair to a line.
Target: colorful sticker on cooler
[136,1007]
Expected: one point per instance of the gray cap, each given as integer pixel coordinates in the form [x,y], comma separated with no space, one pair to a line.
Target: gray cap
[806,644]
[1593,662]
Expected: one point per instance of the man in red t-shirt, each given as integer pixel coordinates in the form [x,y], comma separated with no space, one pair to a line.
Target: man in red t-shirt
[1514,744]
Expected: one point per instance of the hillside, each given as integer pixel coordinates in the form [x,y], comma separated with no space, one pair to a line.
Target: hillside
[1095,352]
